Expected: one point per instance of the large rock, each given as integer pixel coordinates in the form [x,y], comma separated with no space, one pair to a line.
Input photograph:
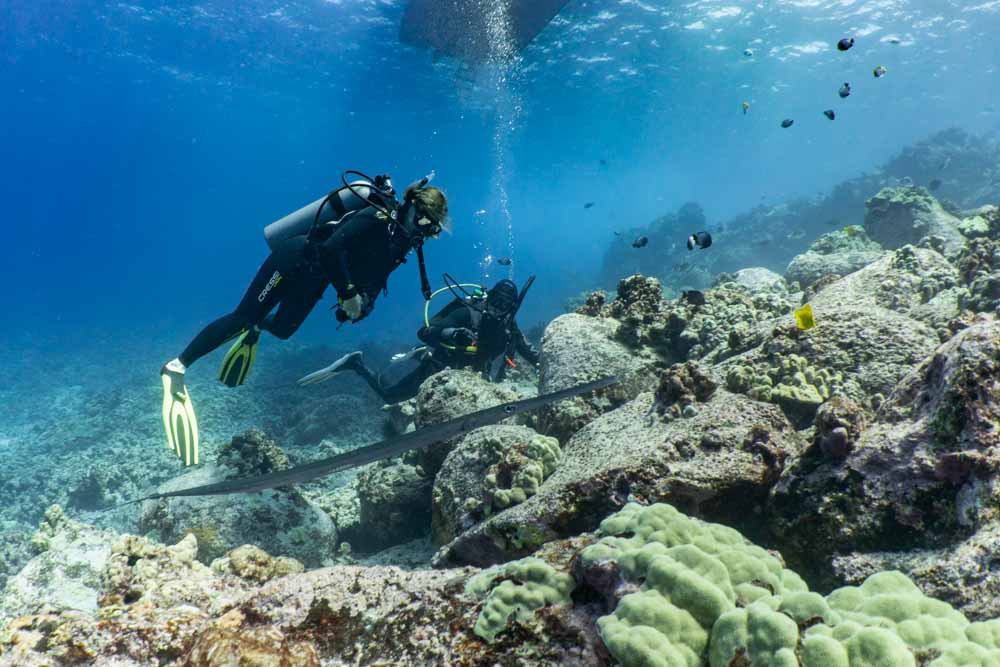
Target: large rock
[905,215]
[758,279]
[447,395]
[65,575]
[577,349]
[280,521]
[836,253]
[923,476]
[917,282]
[395,506]
[857,352]
[719,461]
[492,468]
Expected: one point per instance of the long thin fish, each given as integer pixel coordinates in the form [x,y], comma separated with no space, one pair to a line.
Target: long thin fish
[419,439]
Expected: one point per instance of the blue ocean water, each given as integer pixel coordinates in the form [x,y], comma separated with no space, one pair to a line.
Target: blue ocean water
[148,143]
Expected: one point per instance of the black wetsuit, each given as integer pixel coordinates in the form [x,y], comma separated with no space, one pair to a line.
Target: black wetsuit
[362,250]
[493,340]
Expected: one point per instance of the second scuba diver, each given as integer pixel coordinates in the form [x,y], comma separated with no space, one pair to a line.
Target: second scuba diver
[476,330]
[352,239]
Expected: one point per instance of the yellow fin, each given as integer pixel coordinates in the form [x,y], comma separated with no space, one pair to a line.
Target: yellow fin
[804,317]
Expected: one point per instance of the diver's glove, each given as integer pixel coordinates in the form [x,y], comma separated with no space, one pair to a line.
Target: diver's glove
[355,306]
[458,336]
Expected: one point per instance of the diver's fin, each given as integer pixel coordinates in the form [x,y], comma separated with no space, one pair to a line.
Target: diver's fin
[348,362]
[239,360]
[179,419]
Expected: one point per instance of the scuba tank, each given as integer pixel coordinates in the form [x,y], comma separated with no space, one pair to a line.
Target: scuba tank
[351,196]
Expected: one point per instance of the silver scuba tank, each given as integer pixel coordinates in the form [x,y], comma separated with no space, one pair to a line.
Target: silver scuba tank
[301,221]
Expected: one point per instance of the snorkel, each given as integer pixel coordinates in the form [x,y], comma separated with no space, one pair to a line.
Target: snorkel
[411,227]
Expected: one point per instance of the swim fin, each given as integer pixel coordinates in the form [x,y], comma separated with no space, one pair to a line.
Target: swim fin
[349,362]
[178,417]
[239,360]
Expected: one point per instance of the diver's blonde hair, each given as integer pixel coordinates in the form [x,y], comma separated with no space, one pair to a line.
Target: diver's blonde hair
[433,202]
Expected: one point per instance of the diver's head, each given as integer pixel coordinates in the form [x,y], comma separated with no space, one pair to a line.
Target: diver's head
[501,299]
[425,212]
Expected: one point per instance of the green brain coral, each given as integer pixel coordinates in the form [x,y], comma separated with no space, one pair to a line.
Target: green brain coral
[707,596]
[526,585]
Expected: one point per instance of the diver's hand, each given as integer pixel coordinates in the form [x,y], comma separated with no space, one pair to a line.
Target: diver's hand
[354,306]
[458,335]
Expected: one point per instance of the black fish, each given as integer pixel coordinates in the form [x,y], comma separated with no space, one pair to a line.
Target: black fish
[701,239]
[694,297]
[845,90]
[504,261]
[845,44]
[604,163]
[589,204]
[934,185]
[640,242]
[829,113]
[787,123]
[419,439]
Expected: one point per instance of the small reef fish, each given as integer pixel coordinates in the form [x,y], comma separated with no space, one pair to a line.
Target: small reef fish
[880,71]
[701,240]
[804,319]
[830,113]
[748,53]
[480,213]
[504,261]
[845,90]
[604,163]
[746,107]
[589,204]
[787,123]
[640,242]
[694,297]
[934,184]
[845,44]
[894,40]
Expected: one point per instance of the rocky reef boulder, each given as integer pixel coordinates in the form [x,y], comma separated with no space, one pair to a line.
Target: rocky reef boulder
[836,253]
[65,572]
[714,453]
[917,282]
[281,521]
[905,215]
[758,279]
[447,395]
[979,268]
[394,506]
[858,353]
[923,476]
[576,349]
[491,469]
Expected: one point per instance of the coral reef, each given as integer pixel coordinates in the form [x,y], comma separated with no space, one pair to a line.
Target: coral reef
[840,253]
[905,215]
[576,349]
[280,521]
[719,462]
[491,469]
[394,506]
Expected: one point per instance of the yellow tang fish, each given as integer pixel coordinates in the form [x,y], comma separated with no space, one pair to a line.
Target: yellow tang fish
[804,317]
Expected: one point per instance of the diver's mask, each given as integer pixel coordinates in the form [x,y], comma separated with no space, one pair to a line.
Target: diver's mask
[416,221]
[502,299]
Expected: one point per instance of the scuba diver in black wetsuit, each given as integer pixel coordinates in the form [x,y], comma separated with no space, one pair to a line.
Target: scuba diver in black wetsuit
[474,331]
[352,239]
